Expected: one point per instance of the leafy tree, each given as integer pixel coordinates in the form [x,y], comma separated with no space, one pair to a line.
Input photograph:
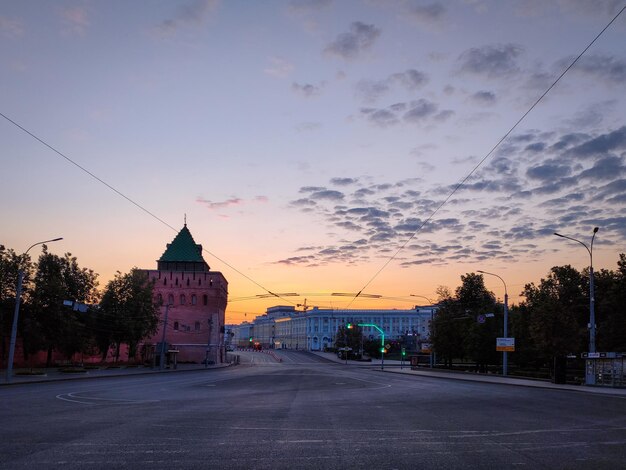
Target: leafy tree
[559,312]
[610,297]
[456,333]
[10,263]
[349,337]
[51,325]
[128,312]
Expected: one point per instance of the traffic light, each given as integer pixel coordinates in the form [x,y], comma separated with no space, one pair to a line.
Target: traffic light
[349,326]
[383,350]
[250,340]
[403,352]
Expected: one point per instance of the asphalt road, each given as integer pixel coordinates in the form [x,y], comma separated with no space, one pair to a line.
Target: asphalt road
[305,412]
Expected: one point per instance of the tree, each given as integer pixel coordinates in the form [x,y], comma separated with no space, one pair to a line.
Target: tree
[559,312]
[50,325]
[10,264]
[456,332]
[128,312]
[349,337]
[610,296]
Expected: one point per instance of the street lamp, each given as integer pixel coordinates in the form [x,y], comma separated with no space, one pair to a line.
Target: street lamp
[590,380]
[505,354]
[432,355]
[16,314]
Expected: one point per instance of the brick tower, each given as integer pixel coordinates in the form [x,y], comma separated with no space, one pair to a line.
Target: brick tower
[195,298]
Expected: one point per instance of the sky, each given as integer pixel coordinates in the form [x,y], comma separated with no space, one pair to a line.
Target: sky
[310,142]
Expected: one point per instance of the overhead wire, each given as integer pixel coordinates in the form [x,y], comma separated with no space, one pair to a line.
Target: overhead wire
[133,202]
[480,163]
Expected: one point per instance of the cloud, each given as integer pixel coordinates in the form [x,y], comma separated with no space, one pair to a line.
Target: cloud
[602,144]
[410,80]
[420,110]
[432,13]
[308,126]
[548,171]
[234,201]
[187,14]
[350,45]
[306,89]
[491,61]
[11,28]
[308,6]
[524,193]
[608,69]
[414,112]
[279,67]
[485,98]
[328,194]
[604,169]
[343,181]
[76,21]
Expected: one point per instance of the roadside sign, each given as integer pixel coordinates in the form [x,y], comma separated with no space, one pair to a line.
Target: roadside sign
[505,344]
[481,319]
[387,346]
[426,347]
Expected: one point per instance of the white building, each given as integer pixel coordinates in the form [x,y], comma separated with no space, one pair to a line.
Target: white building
[283,327]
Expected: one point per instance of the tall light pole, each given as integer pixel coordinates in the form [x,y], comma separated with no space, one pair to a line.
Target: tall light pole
[16,313]
[432,354]
[590,379]
[505,354]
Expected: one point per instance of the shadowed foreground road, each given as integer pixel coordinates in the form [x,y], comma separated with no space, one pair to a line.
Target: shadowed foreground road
[305,413]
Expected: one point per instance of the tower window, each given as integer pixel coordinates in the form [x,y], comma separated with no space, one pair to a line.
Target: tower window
[205,299]
[176,325]
[197,326]
[193,299]
[170,299]
[182,299]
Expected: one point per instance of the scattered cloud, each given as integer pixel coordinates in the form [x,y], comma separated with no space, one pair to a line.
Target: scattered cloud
[485,98]
[343,181]
[11,28]
[233,201]
[308,90]
[308,6]
[496,61]
[413,112]
[428,14]
[187,14]
[351,45]
[75,21]
[598,67]
[410,80]
[376,219]
[279,67]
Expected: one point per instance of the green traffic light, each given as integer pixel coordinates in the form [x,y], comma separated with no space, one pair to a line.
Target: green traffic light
[349,326]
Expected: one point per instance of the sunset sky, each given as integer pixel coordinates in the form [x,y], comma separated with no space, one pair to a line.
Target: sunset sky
[308,140]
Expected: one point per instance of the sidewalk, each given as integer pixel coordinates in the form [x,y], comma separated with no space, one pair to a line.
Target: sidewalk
[54,374]
[393,367]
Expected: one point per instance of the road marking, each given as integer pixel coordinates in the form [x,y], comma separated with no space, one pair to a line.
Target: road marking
[73,397]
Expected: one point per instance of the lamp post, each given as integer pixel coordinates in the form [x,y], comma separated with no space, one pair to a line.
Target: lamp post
[590,378]
[432,354]
[16,314]
[505,354]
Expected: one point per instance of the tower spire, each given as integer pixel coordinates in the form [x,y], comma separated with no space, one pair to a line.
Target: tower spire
[185,219]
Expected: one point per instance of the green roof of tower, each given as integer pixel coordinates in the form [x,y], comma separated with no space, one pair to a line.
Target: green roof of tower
[183,249]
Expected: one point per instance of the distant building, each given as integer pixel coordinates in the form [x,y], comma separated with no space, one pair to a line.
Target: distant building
[195,299]
[283,327]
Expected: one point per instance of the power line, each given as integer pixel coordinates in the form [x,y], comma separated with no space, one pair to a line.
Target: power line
[479,164]
[136,204]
